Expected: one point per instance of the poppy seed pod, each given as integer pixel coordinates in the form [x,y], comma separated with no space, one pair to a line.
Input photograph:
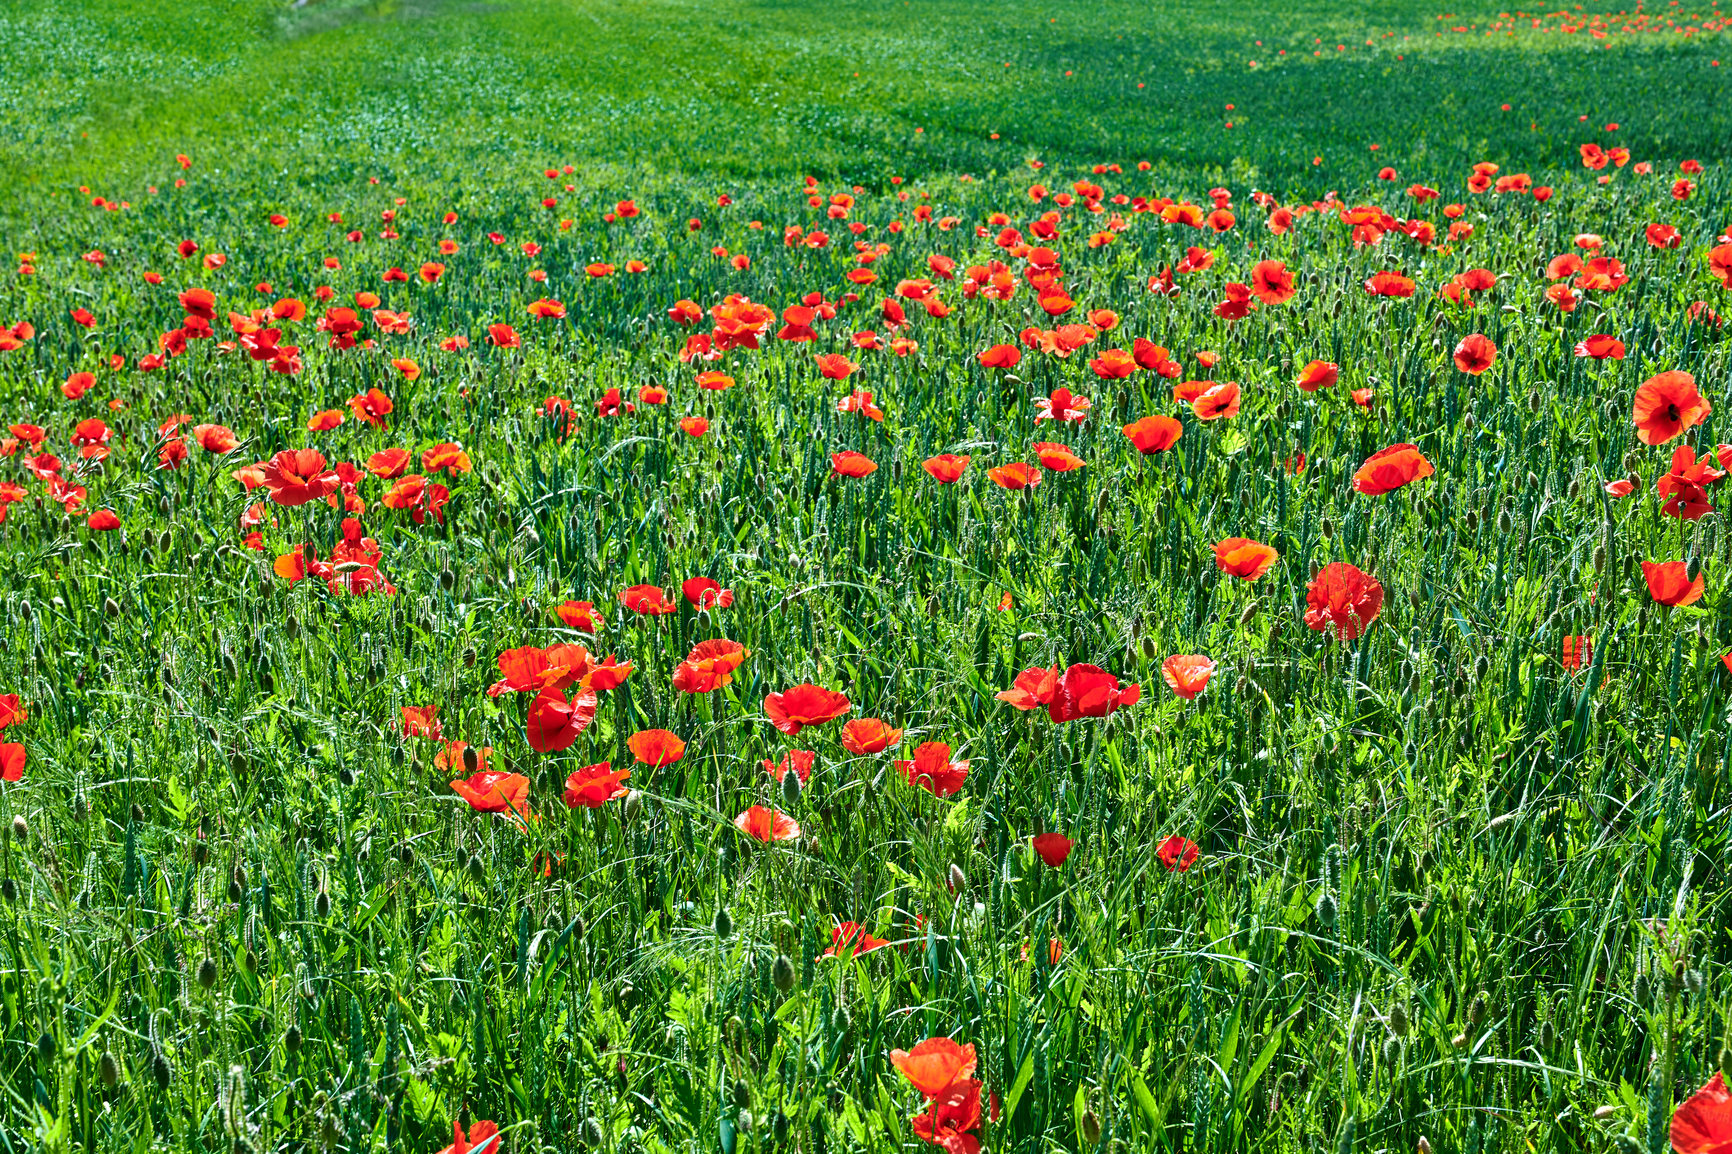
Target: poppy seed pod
[782,973]
[724,924]
[207,973]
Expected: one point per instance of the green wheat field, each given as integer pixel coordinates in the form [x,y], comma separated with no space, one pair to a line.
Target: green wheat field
[631,575]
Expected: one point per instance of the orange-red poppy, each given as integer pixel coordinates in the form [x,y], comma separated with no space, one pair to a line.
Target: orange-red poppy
[1016,475]
[1187,674]
[656,747]
[1319,375]
[1345,597]
[709,666]
[1475,354]
[1666,406]
[803,705]
[767,825]
[1178,853]
[593,786]
[554,723]
[1244,558]
[936,1064]
[494,791]
[932,770]
[1154,434]
[1669,583]
[868,735]
[1389,469]
[946,468]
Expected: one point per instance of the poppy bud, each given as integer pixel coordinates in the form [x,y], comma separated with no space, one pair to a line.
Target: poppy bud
[20,827]
[742,1094]
[1391,1051]
[406,854]
[724,923]
[1599,558]
[471,761]
[790,789]
[1424,1146]
[1467,422]
[1327,528]
[633,804]
[1694,982]
[1327,909]
[1548,1038]
[146,558]
[108,1070]
[469,657]
[476,869]
[322,905]
[1726,1061]
[782,973]
[1458,1041]
[207,973]
[1693,568]
[1150,650]
[958,880]
[896,470]
[447,579]
[1398,1021]
[1247,614]
[1477,1009]
[292,1039]
[25,611]
[161,1070]
[1534,401]
[1091,1127]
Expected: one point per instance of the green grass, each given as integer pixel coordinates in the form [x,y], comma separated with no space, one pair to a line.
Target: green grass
[1447,888]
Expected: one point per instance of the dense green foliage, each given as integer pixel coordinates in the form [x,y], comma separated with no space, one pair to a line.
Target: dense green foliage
[1451,884]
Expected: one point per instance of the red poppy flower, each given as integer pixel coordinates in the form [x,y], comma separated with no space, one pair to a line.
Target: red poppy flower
[503,336]
[1389,284]
[868,735]
[1154,434]
[709,666]
[1389,469]
[1057,457]
[850,940]
[1685,484]
[1243,558]
[12,761]
[936,1064]
[297,476]
[656,747]
[946,468]
[554,723]
[950,1119]
[578,615]
[493,791]
[483,1139]
[798,761]
[1177,853]
[1669,583]
[860,401]
[529,669]
[1271,283]
[1343,596]
[1052,848]
[1601,347]
[835,366]
[647,600]
[1219,401]
[932,770]
[1666,405]
[1319,375]
[694,426]
[803,705]
[848,463]
[422,721]
[703,593]
[1187,676]
[103,521]
[1576,652]
[1089,691]
[1475,354]
[1702,1124]
[594,786]
[12,711]
[767,825]
[1062,406]
[1000,357]
[1016,475]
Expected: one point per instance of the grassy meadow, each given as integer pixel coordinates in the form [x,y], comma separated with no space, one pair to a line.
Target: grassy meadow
[632,576]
